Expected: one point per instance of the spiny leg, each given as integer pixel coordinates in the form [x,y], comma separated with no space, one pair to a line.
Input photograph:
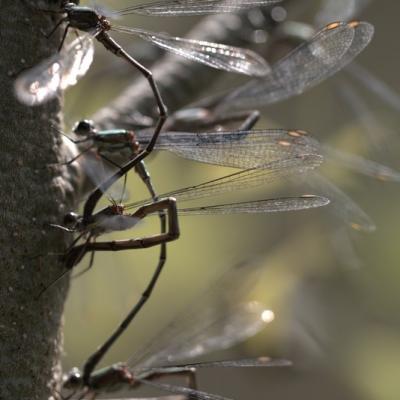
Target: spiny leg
[77,156]
[64,254]
[172,234]
[63,38]
[76,141]
[51,33]
[74,254]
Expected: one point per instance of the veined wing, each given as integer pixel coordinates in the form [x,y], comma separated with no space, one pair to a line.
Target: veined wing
[211,330]
[172,8]
[191,393]
[310,63]
[362,165]
[239,149]
[342,205]
[214,55]
[41,83]
[260,206]
[242,363]
[374,85]
[98,170]
[252,177]
[216,319]
[376,135]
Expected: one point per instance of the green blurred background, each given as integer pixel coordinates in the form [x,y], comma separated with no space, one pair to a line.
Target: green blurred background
[334,292]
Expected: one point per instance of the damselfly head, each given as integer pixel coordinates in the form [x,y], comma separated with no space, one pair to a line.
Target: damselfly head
[117,209]
[71,220]
[105,23]
[73,380]
[84,128]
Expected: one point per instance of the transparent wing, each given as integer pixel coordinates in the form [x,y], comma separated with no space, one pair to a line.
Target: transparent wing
[260,206]
[98,171]
[343,246]
[375,85]
[103,10]
[325,54]
[240,149]
[64,69]
[362,165]
[342,205]
[377,137]
[215,320]
[115,223]
[214,55]
[172,8]
[252,177]
[191,393]
[339,10]
[213,332]
[243,363]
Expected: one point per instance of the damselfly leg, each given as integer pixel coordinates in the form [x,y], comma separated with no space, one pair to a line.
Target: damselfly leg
[172,234]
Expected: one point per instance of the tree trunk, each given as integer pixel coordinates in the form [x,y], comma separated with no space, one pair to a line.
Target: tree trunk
[33,194]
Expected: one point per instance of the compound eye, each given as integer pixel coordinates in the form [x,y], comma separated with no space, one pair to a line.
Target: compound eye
[73,379]
[84,127]
[71,219]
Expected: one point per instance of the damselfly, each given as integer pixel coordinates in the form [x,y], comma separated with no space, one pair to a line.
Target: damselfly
[64,69]
[220,318]
[237,149]
[115,217]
